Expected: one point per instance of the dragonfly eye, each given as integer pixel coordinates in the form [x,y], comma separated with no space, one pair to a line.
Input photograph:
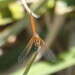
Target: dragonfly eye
[37,42]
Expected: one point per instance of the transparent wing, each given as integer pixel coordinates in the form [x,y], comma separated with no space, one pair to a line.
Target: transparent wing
[28,51]
[47,53]
[50,55]
[25,52]
[31,60]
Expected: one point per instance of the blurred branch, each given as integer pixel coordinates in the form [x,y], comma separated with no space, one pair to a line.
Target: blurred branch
[15,29]
[24,3]
[29,63]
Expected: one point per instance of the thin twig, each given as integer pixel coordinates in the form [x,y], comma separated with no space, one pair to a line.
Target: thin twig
[24,3]
[30,62]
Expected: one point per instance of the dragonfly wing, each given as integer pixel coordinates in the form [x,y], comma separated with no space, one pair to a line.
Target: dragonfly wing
[46,53]
[25,52]
[50,56]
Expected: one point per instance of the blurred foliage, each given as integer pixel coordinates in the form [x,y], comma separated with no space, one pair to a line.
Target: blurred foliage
[12,16]
[10,13]
[8,10]
[70,2]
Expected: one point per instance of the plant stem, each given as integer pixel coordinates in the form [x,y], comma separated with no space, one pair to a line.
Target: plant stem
[30,62]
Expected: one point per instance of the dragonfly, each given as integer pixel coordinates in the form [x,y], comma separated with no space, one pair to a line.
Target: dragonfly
[35,45]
